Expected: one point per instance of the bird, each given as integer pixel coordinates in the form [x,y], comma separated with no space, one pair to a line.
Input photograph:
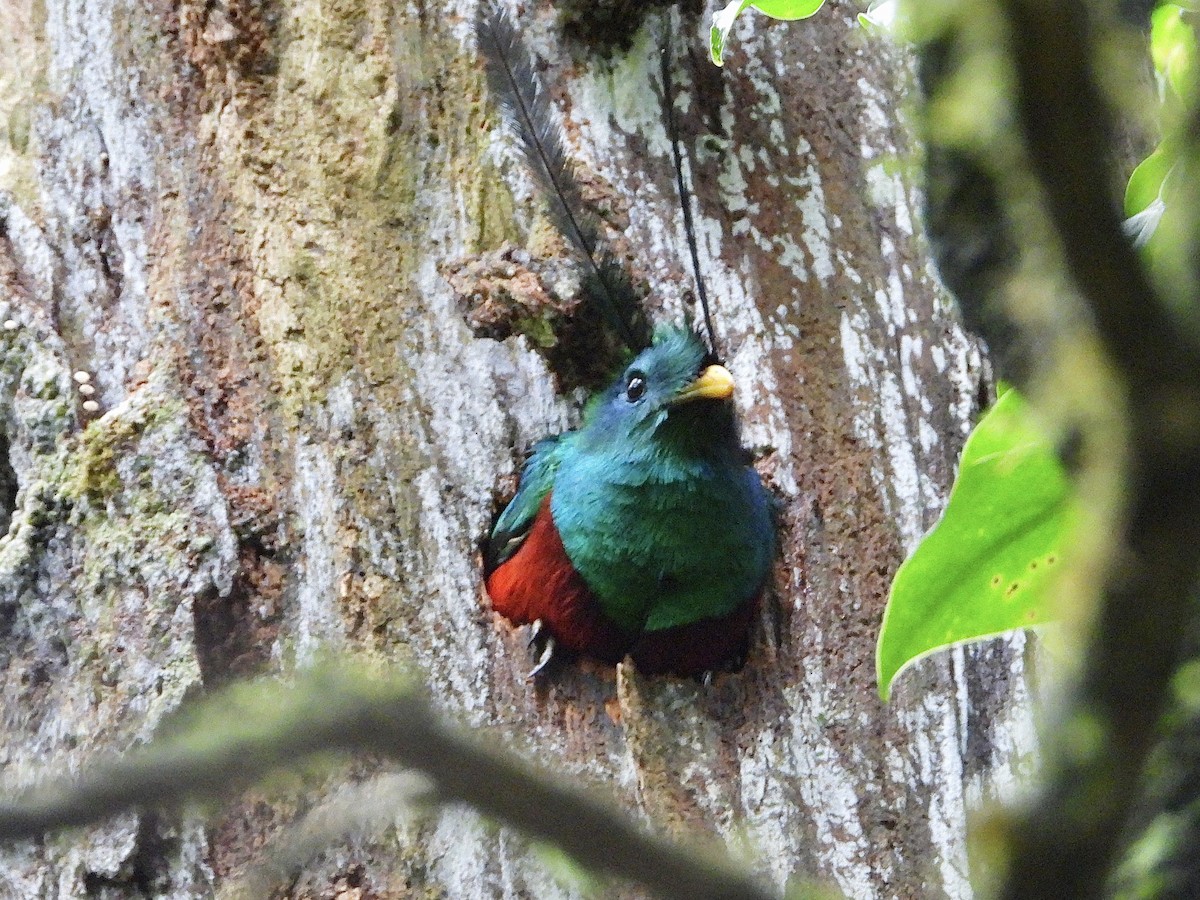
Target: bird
[645,532]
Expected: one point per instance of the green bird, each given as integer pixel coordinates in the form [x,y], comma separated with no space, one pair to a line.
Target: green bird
[645,532]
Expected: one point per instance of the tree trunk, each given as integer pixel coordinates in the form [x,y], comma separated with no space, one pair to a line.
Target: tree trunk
[234,218]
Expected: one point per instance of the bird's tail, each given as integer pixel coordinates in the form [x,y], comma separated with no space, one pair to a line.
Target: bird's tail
[539,137]
[685,195]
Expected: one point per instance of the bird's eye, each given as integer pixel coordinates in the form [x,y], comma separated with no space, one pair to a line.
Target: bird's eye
[635,387]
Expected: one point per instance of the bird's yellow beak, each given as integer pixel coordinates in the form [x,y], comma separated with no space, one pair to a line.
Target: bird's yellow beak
[714,383]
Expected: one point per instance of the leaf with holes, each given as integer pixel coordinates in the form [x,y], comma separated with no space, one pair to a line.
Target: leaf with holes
[722,22]
[989,564]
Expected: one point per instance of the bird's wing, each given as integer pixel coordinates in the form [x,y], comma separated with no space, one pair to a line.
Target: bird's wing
[537,479]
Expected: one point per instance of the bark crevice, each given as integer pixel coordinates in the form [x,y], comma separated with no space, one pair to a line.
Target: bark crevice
[8,486]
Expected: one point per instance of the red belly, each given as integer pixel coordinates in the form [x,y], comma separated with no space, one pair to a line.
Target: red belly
[539,582]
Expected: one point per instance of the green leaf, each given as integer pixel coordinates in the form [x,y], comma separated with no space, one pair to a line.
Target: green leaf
[986,567]
[722,22]
[788,9]
[1173,47]
[1145,184]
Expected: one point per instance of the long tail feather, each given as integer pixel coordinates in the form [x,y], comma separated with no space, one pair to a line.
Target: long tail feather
[527,110]
[685,196]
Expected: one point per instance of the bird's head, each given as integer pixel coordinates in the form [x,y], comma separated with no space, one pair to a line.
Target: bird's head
[672,391]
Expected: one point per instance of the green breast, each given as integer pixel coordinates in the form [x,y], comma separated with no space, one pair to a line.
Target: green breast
[661,540]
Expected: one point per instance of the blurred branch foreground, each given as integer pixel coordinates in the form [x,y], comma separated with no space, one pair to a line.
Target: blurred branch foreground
[249,731]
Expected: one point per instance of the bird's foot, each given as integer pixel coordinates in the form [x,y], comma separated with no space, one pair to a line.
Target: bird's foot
[544,660]
[543,644]
[535,632]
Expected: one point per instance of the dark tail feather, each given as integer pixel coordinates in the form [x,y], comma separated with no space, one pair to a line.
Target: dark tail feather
[527,109]
[685,196]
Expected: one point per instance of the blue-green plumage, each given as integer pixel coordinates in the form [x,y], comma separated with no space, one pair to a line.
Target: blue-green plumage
[657,509]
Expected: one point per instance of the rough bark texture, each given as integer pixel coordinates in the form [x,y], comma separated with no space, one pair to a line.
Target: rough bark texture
[233,217]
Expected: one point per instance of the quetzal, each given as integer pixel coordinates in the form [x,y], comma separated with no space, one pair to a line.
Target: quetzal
[646,531]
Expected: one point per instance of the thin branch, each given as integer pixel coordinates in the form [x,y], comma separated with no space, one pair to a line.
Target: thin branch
[241,736]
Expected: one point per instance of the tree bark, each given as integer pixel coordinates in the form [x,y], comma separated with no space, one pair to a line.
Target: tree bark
[233,217]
